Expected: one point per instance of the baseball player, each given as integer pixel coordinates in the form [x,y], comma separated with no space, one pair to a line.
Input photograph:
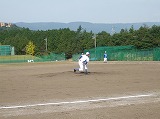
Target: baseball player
[105,57]
[83,61]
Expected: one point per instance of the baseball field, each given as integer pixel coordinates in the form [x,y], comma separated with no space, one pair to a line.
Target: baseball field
[51,90]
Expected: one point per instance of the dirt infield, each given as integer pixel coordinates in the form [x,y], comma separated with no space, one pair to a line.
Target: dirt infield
[113,90]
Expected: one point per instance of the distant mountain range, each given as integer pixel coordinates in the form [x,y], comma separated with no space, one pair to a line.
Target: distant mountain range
[94,27]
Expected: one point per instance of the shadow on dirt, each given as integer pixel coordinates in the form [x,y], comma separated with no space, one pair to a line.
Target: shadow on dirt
[71,73]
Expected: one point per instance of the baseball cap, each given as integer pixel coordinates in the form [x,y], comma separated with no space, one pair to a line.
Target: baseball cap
[87,53]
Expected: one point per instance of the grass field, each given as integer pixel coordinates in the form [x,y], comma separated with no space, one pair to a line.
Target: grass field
[17,58]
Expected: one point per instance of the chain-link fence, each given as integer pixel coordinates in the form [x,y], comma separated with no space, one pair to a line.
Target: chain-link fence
[30,58]
[122,53]
[5,50]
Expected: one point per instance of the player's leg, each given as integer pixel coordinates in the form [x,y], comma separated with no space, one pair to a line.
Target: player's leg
[77,69]
[80,67]
[105,60]
[85,69]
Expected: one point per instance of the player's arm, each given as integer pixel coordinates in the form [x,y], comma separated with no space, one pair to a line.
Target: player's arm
[80,57]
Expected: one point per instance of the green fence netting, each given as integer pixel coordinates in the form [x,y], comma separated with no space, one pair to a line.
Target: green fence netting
[75,57]
[122,53]
[5,50]
[29,58]
[52,57]
[156,54]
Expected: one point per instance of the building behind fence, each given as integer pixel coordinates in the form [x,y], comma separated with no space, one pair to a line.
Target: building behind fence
[122,53]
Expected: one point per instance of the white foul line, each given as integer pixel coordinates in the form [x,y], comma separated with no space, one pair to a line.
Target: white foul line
[75,102]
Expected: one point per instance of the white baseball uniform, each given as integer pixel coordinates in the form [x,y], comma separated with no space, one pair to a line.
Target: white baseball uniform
[83,61]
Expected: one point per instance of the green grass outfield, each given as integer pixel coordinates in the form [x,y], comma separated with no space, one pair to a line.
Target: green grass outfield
[17,58]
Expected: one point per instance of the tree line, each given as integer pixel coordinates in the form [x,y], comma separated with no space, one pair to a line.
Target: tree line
[71,42]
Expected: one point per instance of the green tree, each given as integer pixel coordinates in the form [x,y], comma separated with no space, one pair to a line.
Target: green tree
[103,39]
[72,42]
[30,48]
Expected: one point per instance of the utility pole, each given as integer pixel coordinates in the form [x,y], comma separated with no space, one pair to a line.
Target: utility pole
[46,43]
[95,43]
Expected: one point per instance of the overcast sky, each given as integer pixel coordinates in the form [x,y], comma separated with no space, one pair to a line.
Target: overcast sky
[94,11]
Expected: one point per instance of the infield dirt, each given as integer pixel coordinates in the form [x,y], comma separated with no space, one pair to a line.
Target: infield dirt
[41,83]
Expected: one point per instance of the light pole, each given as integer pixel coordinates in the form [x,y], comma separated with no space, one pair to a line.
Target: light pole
[95,44]
[46,43]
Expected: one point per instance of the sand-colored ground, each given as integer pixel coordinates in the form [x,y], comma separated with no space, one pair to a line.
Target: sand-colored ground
[113,90]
